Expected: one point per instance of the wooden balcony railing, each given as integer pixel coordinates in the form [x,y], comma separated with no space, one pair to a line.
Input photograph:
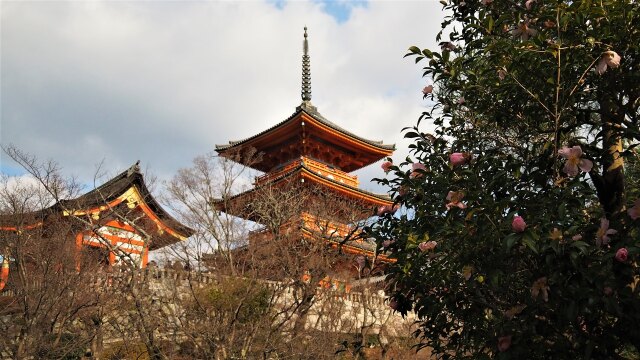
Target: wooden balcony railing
[315,166]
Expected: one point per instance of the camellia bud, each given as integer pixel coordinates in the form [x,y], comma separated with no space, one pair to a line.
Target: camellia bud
[518,225]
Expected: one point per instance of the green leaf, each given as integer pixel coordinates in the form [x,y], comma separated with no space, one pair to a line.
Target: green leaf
[427,53]
[528,239]
[411,135]
[510,240]
[580,245]
[414,50]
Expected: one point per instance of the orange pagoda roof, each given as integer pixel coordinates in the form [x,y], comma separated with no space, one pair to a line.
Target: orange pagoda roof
[307,133]
[307,171]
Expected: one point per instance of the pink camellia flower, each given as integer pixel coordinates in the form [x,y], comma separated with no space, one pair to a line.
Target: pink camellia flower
[576,237]
[458,158]
[427,90]
[524,31]
[504,342]
[574,160]
[602,236]
[388,209]
[427,245]
[540,287]
[461,100]
[634,211]
[529,4]
[518,225]
[386,166]
[455,199]
[415,173]
[502,73]
[608,59]
[447,45]
[622,254]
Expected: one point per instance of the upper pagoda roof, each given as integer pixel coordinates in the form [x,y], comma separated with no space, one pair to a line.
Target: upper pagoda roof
[306,133]
[299,132]
[106,200]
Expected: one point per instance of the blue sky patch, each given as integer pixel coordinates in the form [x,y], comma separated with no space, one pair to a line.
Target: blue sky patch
[279,4]
[11,170]
[338,9]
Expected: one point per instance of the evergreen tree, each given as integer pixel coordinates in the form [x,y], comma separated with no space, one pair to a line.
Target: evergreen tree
[521,239]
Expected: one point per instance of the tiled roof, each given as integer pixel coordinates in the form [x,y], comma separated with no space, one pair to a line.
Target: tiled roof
[302,166]
[103,194]
[118,185]
[310,110]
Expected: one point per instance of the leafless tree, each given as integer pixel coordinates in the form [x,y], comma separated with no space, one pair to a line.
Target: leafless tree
[51,266]
[273,275]
[236,290]
[196,194]
[48,305]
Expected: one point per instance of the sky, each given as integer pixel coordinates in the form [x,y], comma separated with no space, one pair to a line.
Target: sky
[113,82]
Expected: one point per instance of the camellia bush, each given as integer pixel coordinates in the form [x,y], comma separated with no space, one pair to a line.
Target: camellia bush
[521,235]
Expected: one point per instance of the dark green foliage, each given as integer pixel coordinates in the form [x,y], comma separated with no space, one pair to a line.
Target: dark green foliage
[511,102]
[239,298]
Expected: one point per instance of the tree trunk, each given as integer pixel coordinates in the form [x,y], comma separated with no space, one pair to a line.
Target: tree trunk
[610,185]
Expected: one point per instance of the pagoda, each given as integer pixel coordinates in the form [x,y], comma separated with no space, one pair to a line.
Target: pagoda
[308,150]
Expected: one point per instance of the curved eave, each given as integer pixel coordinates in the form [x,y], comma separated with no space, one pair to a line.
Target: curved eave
[375,199]
[30,226]
[308,174]
[26,221]
[124,188]
[127,186]
[370,147]
[375,149]
[134,195]
[349,247]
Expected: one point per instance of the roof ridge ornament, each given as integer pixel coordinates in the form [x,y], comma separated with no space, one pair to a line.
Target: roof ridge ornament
[306,69]
[135,168]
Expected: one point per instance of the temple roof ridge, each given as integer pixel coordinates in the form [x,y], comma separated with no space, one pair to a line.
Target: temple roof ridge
[312,111]
[108,191]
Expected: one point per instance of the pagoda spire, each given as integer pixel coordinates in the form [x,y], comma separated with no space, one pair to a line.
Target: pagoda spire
[306,70]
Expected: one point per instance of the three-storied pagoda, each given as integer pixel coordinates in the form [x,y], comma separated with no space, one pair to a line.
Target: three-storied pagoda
[307,149]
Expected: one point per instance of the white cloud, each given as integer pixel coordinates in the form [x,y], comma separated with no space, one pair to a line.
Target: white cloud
[164,81]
